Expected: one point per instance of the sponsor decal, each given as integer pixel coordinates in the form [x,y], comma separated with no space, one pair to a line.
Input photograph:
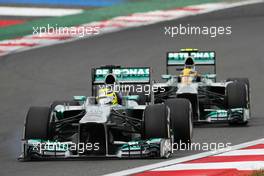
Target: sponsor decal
[207,57]
[124,74]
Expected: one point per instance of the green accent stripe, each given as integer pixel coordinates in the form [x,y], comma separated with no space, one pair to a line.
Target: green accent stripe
[97,15]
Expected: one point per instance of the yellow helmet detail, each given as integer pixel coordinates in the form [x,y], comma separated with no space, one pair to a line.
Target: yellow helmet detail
[107,96]
[186,72]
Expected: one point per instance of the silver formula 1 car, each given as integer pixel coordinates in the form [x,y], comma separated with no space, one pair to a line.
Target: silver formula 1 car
[107,124]
[195,80]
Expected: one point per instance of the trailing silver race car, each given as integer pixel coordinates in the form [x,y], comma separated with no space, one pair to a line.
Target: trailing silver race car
[225,101]
[110,123]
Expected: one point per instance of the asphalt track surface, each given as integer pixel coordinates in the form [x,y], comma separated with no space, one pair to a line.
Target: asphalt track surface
[38,77]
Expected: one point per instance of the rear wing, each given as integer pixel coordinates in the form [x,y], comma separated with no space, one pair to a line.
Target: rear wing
[201,58]
[123,75]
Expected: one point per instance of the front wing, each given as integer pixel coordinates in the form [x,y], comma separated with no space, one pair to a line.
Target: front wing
[40,149]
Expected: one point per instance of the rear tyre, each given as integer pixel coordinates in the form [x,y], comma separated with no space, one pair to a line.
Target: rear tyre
[181,119]
[37,123]
[156,121]
[241,80]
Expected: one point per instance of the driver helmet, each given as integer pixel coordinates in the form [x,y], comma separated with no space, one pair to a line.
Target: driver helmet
[189,63]
[189,67]
[107,96]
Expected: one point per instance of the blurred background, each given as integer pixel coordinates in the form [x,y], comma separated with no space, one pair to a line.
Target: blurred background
[13,12]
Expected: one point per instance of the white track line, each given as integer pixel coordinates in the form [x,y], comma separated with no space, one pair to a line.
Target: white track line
[183,159]
[243,152]
[243,165]
[36,12]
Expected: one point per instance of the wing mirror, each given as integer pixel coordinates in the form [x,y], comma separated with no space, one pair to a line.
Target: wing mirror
[210,76]
[167,77]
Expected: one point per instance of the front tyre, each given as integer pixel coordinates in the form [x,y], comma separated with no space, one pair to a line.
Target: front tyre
[156,121]
[37,123]
[181,119]
[237,97]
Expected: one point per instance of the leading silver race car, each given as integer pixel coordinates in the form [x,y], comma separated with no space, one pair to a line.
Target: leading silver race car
[110,123]
[212,101]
